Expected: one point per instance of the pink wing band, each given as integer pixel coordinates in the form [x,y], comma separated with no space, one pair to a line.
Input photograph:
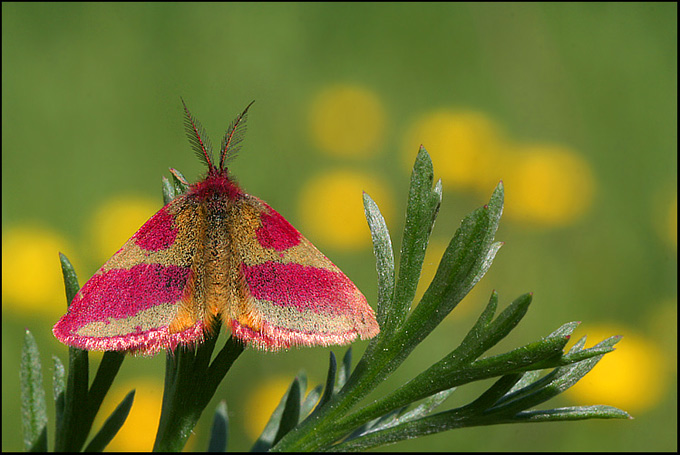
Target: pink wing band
[305,288]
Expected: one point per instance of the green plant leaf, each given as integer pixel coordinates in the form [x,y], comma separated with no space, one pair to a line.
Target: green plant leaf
[107,371]
[487,332]
[426,407]
[345,369]
[74,425]
[310,401]
[112,424]
[572,413]
[382,249]
[291,410]
[491,396]
[58,390]
[168,190]
[70,279]
[219,434]
[421,211]
[330,381]
[379,422]
[33,408]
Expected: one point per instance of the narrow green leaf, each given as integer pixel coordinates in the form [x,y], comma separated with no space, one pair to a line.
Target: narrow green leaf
[608,342]
[330,381]
[302,383]
[407,430]
[41,442]
[58,390]
[426,407]
[310,401]
[466,260]
[578,346]
[112,424]
[180,182]
[380,422]
[70,279]
[72,435]
[174,188]
[204,353]
[107,371]
[219,434]
[168,190]
[382,249]
[527,378]
[33,413]
[485,333]
[531,387]
[345,369]
[565,329]
[482,324]
[291,411]
[576,356]
[507,320]
[493,394]
[223,361]
[572,413]
[421,211]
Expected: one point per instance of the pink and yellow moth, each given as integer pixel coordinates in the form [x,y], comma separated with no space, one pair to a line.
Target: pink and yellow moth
[216,252]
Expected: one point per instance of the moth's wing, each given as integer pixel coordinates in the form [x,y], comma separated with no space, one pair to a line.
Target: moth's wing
[141,299]
[292,293]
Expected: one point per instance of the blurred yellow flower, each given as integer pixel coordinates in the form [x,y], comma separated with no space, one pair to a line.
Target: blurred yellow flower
[465,147]
[138,433]
[262,401]
[634,377]
[32,281]
[117,220]
[347,120]
[332,210]
[548,185]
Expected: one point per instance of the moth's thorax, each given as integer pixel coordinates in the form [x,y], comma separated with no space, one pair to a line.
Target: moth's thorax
[217,185]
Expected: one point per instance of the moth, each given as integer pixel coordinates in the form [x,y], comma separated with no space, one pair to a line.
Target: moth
[216,253]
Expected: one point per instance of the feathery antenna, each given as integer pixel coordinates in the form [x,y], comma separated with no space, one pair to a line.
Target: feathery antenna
[196,133]
[231,143]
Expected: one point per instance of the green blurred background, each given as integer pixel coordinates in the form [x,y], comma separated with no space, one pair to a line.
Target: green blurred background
[91,118]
